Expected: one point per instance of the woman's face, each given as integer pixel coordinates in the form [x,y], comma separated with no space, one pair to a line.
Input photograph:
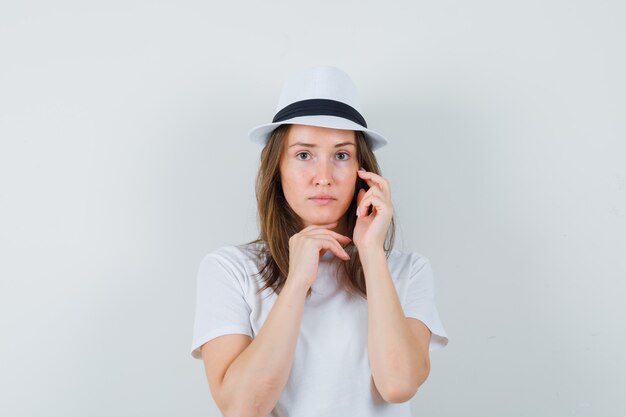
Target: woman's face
[319,162]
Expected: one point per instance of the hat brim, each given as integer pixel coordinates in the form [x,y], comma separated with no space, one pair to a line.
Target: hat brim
[261,134]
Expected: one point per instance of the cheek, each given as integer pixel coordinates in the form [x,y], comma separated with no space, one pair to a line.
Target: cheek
[345,169]
[296,173]
[291,181]
[348,181]
[347,173]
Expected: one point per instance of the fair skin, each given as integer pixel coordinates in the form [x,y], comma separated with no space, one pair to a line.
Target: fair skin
[319,161]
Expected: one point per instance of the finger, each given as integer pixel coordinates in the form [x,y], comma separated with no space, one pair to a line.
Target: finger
[321,227]
[329,243]
[359,196]
[375,179]
[376,203]
[339,251]
[372,192]
[372,176]
[333,234]
[312,227]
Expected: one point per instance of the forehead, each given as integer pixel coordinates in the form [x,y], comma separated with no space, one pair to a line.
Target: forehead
[319,136]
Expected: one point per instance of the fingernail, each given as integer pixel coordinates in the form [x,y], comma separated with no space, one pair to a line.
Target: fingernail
[357,211]
[362,169]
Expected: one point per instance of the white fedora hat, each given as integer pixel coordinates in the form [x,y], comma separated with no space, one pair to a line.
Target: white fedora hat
[322,96]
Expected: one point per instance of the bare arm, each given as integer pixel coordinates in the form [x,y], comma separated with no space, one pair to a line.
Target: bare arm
[254,381]
[398,356]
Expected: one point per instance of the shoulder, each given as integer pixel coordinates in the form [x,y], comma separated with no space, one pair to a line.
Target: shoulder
[235,254]
[406,259]
[229,264]
[241,260]
[411,272]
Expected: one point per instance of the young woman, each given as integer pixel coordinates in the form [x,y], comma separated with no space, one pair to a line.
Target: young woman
[319,316]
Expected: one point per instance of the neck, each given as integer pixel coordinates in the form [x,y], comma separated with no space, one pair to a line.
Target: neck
[342,227]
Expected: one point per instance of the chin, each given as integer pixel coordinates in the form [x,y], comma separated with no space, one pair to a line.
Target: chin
[324,219]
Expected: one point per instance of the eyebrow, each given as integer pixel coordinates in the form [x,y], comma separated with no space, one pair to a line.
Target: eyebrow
[311,145]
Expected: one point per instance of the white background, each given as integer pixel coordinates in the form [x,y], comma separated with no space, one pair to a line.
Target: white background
[124,160]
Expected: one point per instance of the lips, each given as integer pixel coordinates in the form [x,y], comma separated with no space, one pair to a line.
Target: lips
[322,199]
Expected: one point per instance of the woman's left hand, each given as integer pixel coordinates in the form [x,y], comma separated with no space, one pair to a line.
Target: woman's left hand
[370,230]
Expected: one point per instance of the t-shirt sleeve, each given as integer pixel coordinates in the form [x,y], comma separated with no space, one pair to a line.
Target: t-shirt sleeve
[420,301]
[220,304]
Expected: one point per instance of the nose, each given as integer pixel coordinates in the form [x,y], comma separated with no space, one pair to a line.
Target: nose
[323,173]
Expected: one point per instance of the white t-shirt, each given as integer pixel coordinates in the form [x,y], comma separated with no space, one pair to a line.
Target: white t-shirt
[330,375]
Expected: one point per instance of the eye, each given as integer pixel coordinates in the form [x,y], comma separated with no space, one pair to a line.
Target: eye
[302,153]
[346,156]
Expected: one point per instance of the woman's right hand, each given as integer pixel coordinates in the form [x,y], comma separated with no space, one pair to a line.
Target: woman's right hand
[307,247]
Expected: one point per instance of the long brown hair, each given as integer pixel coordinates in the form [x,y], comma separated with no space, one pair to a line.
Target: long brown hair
[278,222]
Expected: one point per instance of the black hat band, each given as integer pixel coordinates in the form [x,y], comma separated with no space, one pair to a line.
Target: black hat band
[319,107]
